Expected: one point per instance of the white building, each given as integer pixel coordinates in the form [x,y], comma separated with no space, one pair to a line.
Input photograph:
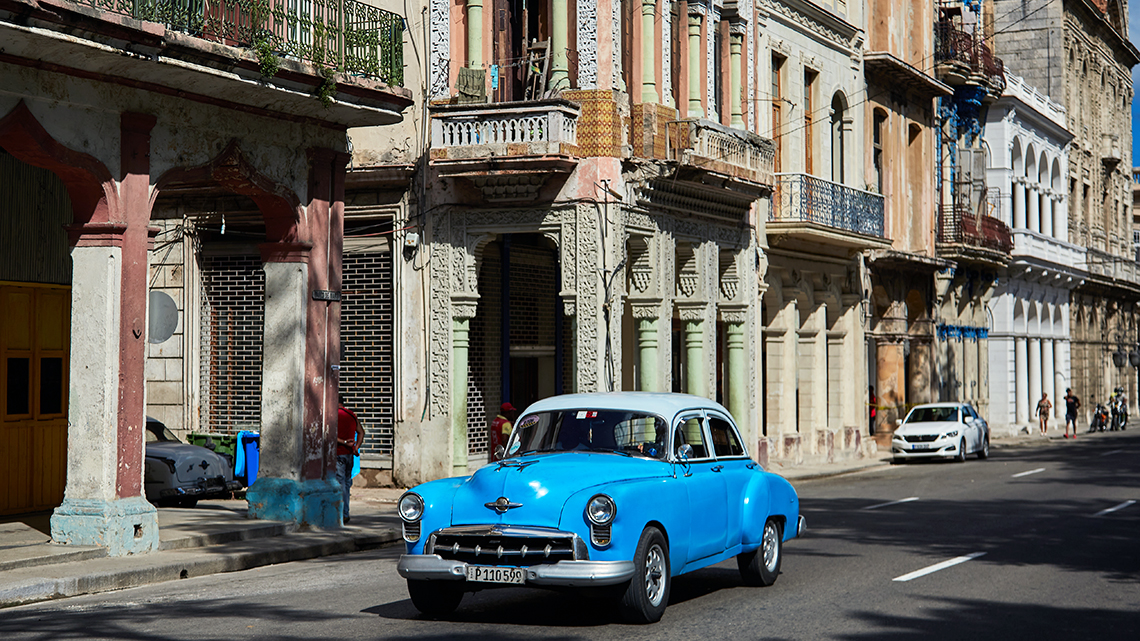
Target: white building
[1030,338]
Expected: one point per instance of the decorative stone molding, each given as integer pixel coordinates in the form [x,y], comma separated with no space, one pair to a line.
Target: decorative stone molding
[691,310]
[464,306]
[734,313]
[588,44]
[645,309]
[440,60]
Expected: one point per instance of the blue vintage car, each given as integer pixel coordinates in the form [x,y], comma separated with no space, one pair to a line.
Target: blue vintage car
[619,491]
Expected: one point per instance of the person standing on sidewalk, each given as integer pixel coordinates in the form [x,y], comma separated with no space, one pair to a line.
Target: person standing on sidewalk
[1044,406]
[500,429]
[1072,404]
[873,403]
[349,438]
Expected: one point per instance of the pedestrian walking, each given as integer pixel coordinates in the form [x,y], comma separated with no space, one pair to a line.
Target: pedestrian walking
[500,429]
[1072,404]
[349,438]
[873,402]
[1044,406]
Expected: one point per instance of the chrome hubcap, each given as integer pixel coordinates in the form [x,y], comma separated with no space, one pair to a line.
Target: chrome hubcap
[771,546]
[655,575]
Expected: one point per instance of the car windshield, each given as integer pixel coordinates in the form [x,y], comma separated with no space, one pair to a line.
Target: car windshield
[158,433]
[591,430]
[933,415]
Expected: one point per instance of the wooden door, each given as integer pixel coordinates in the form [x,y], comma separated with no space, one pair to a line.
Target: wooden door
[35,336]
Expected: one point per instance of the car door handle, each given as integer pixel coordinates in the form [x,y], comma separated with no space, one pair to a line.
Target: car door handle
[717,468]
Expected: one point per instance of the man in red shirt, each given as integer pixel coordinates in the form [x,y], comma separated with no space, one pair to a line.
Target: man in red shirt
[500,430]
[349,438]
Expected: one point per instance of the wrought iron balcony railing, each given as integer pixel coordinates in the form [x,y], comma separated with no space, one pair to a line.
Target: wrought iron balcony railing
[958,225]
[709,145]
[960,57]
[806,198]
[346,35]
[535,127]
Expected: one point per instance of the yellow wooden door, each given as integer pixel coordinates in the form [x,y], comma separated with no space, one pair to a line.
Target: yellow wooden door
[35,325]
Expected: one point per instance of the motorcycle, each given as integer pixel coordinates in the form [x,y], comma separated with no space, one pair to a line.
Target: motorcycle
[1100,418]
[1119,413]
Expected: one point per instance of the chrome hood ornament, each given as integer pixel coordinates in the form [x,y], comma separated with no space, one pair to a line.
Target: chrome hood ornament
[501,505]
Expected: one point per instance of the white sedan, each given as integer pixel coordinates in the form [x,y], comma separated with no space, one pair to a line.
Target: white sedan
[941,430]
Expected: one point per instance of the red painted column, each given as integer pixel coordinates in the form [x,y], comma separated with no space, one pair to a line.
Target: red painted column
[134,194]
[338,164]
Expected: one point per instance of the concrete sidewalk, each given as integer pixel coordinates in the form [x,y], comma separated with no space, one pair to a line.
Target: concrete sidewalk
[217,537]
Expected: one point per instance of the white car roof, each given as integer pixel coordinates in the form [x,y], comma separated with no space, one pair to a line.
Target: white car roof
[660,403]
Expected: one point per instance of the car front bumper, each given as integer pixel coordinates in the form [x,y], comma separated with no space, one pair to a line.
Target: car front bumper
[433,567]
[903,451]
[208,490]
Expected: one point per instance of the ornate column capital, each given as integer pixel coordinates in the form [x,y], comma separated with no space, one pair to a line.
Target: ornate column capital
[735,314]
[691,310]
[463,305]
[645,308]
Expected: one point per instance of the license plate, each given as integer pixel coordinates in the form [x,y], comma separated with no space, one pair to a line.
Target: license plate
[487,574]
[920,446]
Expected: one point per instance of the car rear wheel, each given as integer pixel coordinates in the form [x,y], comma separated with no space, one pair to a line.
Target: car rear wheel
[647,595]
[434,598]
[984,452]
[961,458]
[761,566]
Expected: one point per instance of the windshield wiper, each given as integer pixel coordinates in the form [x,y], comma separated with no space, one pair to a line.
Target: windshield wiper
[609,449]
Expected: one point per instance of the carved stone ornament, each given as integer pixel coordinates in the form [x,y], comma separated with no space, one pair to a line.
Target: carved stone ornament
[440,60]
[588,44]
[691,310]
[734,313]
[645,310]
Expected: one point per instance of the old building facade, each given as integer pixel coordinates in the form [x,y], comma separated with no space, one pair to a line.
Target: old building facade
[1029,340]
[103,148]
[1078,53]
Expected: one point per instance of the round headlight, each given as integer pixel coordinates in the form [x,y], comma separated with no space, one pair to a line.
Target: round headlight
[411,507]
[601,509]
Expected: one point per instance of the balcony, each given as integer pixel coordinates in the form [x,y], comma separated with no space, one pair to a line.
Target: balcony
[962,59]
[964,235]
[1120,270]
[712,151]
[816,211]
[507,150]
[344,35]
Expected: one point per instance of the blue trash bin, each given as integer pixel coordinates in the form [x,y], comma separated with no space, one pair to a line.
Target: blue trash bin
[251,446]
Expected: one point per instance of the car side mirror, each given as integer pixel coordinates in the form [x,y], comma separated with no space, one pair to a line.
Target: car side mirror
[685,452]
[499,452]
[898,421]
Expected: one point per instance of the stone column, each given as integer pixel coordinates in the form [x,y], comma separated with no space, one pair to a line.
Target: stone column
[1061,220]
[1048,377]
[559,42]
[1034,209]
[475,32]
[1034,352]
[1018,204]
[277,493]
[736,43]
[737,384]
[890,367]
[93,512]
[696,17]
[648,52]
[462,311]
[1047,213]
[648,363]
[1021,373]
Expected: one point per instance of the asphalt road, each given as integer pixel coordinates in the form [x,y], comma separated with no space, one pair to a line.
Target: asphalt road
[1039,542]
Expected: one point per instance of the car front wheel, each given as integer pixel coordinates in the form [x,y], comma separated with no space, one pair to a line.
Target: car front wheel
[434,598]
[761,566]
[645,599]
[984,451]
[961,458]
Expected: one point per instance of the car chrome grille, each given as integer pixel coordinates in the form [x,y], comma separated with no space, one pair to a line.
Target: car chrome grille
[505,545]
[920,438]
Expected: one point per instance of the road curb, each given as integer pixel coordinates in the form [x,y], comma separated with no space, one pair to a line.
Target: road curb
[30,585]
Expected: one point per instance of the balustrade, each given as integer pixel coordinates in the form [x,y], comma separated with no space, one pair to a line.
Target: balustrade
[710,145]
[806,198]
[550,122]
[345,35]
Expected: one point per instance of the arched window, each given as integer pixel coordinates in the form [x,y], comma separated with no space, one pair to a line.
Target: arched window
[838,151]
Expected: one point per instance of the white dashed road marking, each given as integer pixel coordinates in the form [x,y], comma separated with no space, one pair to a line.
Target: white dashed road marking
[938,566]
[1114,508]
[906,500]
[1040,469]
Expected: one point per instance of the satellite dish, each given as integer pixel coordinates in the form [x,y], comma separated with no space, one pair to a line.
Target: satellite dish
[163,318]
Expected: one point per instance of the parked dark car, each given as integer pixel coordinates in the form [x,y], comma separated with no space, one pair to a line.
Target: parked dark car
[179,474]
